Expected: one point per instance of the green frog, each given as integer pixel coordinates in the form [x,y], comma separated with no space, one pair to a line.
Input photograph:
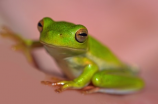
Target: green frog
[88,64]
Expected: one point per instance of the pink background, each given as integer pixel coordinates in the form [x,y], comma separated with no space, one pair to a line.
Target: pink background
[129,28]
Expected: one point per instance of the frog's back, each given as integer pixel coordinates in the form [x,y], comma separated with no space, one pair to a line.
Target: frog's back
[102,54]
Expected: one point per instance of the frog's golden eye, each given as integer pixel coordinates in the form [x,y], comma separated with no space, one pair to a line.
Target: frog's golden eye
[81,35]
[40,25]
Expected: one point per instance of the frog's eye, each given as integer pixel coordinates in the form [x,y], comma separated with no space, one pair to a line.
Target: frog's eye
[81,35]
[40,25]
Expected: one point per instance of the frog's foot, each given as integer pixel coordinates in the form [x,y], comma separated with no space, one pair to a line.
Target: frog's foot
[21,44]
[7,33]
[89,89]
[63,85]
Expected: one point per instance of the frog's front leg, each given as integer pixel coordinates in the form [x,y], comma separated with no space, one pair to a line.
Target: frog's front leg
[23,45]
[81,81]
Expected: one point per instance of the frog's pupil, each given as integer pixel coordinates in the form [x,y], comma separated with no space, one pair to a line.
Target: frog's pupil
[83,34]
[39,24]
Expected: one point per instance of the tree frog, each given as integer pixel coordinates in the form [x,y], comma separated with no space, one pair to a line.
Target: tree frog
[88,64]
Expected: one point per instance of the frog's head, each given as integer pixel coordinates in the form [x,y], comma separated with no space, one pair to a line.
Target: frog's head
[63,34]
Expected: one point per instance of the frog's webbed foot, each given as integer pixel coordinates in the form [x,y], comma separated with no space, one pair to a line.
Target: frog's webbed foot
[7,33]
[63,85]
[59,84]
[21,45]
[54,84]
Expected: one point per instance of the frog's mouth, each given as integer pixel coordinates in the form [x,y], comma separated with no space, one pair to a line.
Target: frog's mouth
[64,47]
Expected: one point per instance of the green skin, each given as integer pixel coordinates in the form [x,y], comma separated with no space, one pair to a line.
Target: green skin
[86,62]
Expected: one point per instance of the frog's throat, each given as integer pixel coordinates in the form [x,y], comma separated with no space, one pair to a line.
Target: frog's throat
[64,47]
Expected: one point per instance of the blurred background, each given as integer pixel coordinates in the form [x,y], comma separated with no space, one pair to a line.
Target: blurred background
[128,28]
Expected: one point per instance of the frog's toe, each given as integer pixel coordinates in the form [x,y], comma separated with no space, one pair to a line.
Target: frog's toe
[4,32]
[59,83]
[7,33]
[63,85]
[53,83]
